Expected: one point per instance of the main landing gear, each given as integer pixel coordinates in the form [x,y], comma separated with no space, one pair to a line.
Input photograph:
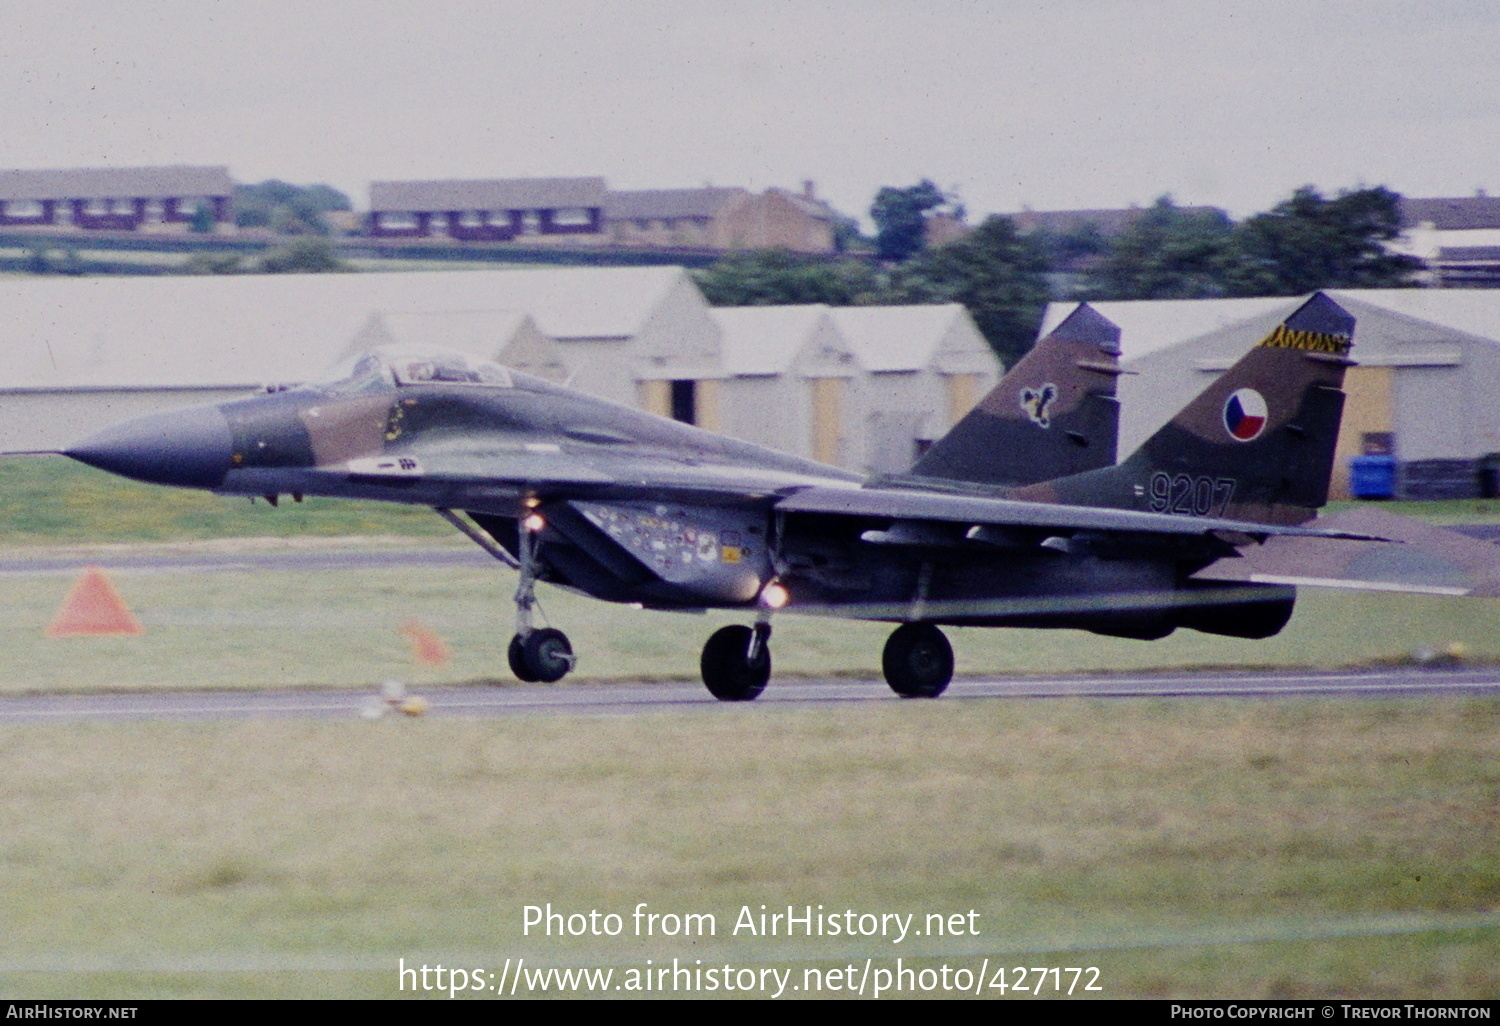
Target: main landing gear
[917,661]
[537,655]
[736,663]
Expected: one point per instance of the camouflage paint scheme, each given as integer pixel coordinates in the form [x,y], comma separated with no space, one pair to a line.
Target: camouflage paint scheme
[629,507]
[1054,414]
[1195,465]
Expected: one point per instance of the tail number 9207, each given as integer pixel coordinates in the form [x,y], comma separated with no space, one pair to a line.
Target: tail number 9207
[1189,496]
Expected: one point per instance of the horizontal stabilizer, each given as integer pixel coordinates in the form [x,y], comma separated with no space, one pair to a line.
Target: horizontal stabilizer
[1428,561]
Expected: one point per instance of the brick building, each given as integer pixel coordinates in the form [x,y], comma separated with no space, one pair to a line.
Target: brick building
[496,210]
[116,199]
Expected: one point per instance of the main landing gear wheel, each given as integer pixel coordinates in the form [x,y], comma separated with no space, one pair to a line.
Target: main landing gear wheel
[918,661]
[736,663]
[543,656]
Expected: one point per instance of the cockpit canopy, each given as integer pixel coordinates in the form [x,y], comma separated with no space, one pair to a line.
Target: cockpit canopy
[396,366]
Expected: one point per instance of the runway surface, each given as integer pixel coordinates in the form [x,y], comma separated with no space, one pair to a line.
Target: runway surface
[626,699]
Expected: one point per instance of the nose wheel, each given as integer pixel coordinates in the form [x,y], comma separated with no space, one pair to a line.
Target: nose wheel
[544,656]
[918,661]
[736,662]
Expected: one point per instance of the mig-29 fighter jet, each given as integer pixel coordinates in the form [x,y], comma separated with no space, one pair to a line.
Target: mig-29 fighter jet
[1017,517]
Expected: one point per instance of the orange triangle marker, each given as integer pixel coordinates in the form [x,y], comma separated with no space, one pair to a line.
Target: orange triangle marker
[93,609]
[426,647]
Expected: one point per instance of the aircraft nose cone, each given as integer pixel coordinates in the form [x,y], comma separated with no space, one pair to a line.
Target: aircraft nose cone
[190,448]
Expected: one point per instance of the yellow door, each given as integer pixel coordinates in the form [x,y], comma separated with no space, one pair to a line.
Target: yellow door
[708,405]
[656,397]
[828,420]
[963,393]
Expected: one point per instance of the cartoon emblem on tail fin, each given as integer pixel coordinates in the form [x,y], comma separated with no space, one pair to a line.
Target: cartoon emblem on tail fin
[1036,402]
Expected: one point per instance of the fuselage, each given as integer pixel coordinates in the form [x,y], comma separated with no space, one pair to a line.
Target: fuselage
[641,509]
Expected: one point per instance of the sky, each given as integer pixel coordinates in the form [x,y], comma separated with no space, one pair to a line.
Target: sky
[1006,104]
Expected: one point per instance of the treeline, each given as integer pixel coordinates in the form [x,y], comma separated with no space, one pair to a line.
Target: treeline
[1006,277]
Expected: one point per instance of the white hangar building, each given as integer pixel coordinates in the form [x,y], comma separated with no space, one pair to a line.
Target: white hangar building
[926,366]
[1428,373]
[786,384]
[866,388]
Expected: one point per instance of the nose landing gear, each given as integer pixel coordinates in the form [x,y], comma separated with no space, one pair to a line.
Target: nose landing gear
[541,656]
[536,654]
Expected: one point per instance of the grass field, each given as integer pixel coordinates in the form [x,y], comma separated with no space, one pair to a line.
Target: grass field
[1202,848]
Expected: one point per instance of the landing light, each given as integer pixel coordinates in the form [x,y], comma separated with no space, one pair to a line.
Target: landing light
[775,595]
[534,523]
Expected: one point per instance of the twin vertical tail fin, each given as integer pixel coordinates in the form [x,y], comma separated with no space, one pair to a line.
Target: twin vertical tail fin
[1256,445]
[1055,412]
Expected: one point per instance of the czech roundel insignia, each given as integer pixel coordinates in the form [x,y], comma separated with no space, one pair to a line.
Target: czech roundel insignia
[1245,415]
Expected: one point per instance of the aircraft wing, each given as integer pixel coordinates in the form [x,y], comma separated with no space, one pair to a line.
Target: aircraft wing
[902,505]
[1430,560]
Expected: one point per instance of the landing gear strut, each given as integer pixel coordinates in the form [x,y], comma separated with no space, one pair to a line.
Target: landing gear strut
[918,661]
[736,661]
[537,655]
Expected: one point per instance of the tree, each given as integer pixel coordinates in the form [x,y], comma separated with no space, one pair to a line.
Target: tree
[900,217]
[1303,244]
[997,273]
[1307,242]
[287,209]
[1167,253]
[775,277]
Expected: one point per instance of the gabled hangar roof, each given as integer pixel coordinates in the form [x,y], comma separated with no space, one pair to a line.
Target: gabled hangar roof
[1149,325]
[767,340]
[480,332]
[898,338]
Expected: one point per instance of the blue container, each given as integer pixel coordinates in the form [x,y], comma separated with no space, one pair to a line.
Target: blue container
[1372,477]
